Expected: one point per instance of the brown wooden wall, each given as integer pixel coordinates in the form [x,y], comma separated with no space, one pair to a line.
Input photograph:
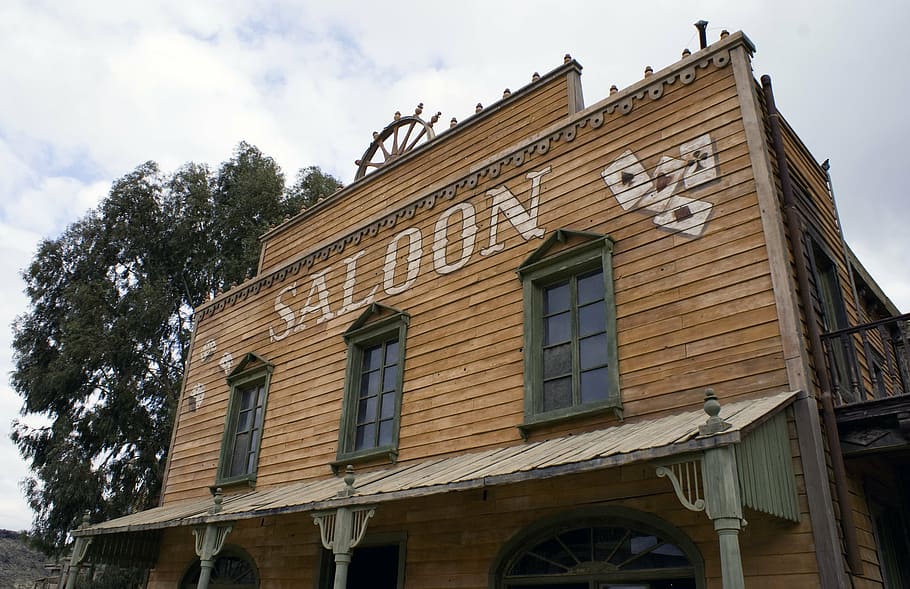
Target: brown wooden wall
[692,312]
[817,208]
[543,104]
[446,549]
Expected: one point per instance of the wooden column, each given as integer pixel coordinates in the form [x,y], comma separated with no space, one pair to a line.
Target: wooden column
[80,549]
[724,507]
[342,529]
[719,496]
[209,542]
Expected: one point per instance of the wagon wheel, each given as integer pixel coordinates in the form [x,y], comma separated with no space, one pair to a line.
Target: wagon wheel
[398,138]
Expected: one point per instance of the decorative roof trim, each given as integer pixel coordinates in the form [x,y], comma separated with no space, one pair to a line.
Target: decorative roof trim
[621,103]
[468,123]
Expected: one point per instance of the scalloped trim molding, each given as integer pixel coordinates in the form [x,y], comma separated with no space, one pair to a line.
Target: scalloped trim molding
[620,104]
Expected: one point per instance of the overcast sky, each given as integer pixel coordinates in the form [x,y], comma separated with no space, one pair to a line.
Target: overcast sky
[90,90]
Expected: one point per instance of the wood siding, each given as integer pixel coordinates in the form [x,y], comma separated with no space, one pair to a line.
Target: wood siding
[692,312]
[445,549]
[546,103]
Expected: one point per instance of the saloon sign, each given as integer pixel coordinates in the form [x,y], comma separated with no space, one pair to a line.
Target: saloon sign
[316,307]
[656,193]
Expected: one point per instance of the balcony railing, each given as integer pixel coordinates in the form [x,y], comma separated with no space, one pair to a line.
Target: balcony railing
[870,361]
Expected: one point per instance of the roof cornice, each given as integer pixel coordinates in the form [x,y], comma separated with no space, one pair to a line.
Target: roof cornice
[621,103]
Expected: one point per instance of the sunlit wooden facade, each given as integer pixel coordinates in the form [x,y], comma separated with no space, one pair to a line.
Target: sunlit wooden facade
[466,323]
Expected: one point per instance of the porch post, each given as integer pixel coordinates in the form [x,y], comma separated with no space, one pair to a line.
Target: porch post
[723,506]
[719,496]
[342,529]
[342,547]
[723,503]
[80,549]
[209,542]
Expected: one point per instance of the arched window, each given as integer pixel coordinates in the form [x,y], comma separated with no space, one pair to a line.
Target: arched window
[234,569]
[607,548]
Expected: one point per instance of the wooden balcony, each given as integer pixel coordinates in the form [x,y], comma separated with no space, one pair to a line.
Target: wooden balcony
[869,370]
[870,361]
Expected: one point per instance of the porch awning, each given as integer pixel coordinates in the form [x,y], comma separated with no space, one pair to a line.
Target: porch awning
[622,444]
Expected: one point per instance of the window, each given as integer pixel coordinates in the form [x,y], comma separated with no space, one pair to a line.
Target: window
[249,384]
[832,316]
[373,384]
[233,569]
[600,548]
[570,328]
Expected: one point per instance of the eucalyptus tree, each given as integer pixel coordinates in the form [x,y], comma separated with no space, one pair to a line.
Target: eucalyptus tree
[100,351]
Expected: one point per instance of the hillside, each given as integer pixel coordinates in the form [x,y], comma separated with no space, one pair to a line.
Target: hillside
[20,566]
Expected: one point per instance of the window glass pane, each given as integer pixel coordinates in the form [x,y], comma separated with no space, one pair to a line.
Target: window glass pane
[658,558]
[388,406]
[557,393]
[642,543]
[254,440]
[591,287]
[557,328]
[390,379]
[592,318]
[247,398]
[557,361]
[244,421]
[547,558]
[366,410]
[593,351]
[605,540]
[594,385]
[372,358]
[579,543]
[391,352]
[239,458]
[366,436]
[556,298]
[369,383]
[385,432]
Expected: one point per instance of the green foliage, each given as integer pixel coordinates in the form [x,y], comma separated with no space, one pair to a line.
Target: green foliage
[111,577]
[101,350]
[311,185]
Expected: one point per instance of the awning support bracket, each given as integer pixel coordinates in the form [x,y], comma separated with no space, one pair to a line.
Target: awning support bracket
[710,483]
[686,478]
[342,529]
[210,540]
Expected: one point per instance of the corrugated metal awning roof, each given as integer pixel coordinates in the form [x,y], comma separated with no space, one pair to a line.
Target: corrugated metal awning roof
[613,446]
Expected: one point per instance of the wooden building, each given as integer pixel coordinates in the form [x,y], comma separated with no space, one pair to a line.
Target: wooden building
[484,364]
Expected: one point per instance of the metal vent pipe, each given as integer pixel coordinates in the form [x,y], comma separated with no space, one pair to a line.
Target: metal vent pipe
[702,27]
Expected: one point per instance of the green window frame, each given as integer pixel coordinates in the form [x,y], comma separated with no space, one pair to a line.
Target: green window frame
[374,380]
[570,353]
[242,438]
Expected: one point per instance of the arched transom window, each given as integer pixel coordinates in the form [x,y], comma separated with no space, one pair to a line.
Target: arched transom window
[232,570]
[601,553]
